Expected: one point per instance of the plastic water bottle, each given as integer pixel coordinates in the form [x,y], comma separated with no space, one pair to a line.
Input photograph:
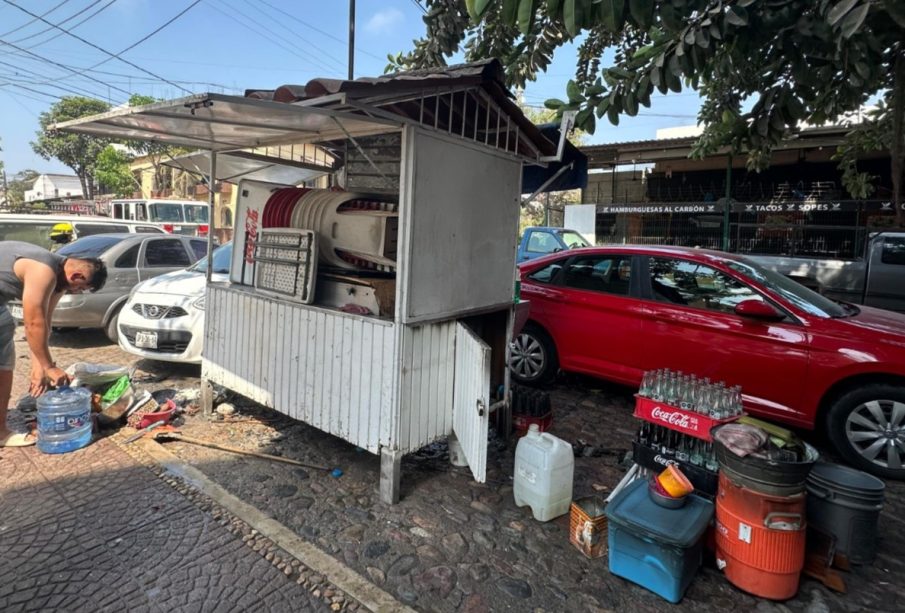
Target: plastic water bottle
[64,420]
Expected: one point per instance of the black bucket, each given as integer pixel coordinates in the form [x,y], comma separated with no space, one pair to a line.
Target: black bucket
[772,477]
[846,503]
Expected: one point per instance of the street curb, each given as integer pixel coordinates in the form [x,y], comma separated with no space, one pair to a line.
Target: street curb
[340,575]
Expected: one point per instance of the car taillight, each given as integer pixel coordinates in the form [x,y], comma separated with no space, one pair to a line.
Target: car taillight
[202,230]
[168,227]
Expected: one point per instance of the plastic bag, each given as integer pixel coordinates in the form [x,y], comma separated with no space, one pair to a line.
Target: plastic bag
[85,373]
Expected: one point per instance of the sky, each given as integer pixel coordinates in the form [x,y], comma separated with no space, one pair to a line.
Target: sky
[175,47]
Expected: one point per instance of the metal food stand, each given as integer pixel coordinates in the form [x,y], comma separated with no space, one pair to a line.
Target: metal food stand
[429,160]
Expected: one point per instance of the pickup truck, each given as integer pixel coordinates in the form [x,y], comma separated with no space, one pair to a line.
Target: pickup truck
[538,240]
[875,279]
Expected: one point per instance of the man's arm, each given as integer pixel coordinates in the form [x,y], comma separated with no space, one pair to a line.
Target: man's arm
[39,282]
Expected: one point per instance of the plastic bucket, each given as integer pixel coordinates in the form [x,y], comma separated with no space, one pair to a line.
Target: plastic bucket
[674,482]
[846,503]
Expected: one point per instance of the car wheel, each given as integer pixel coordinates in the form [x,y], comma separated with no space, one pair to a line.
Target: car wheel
[112,329]
[532,358]
[867,428]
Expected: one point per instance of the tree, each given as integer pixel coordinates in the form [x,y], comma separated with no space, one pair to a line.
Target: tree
[155,152]
[17,185]
[77,151]
[762,67]
[112,171]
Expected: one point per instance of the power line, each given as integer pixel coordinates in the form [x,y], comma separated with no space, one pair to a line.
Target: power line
[266,29]
[320,52]
[418,4]
[28,23]
[15,98]
[49,61]
[101,49]
[319,31]
[73,89]
[54,37]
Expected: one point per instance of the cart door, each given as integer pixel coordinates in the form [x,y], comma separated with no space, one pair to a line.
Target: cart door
[471,398]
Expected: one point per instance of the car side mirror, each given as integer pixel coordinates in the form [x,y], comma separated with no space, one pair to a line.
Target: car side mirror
[758,309]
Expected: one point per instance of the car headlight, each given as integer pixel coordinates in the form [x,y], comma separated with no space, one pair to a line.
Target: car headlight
[199,304]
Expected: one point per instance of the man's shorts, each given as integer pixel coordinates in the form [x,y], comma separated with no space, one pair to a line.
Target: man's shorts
[7,339]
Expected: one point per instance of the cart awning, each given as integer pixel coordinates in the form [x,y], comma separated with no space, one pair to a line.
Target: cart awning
[235,166]
[218,122]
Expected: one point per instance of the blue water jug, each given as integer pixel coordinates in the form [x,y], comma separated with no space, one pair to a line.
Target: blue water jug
[64,420]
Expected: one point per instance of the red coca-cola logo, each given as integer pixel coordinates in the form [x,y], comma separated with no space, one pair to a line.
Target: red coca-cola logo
[674,418]
[251,234]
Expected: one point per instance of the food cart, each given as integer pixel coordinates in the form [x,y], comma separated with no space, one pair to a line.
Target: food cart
[378,310]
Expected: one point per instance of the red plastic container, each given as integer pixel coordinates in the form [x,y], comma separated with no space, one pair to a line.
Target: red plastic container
[522,422]
[674,418]
[760,540]
[165,415]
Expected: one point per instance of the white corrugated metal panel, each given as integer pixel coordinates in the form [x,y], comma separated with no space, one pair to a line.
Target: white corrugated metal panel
[426,386]
[333,370]
[471,399]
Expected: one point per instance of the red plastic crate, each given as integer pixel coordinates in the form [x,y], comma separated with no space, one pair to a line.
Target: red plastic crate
[674,418]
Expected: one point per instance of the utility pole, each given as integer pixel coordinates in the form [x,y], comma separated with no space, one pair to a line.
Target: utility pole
[5,190]
[351,39]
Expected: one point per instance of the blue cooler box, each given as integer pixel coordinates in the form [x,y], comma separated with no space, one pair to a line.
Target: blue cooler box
[656,547]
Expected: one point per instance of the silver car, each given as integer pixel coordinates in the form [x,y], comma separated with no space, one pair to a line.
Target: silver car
[130,259]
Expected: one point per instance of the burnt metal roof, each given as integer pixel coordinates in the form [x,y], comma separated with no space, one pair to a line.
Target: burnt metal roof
[432,96]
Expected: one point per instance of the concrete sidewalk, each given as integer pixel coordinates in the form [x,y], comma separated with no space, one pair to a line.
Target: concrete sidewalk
[96,530]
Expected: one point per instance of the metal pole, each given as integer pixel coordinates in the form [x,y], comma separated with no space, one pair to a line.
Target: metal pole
[351,39]
[727,206]
[212,225]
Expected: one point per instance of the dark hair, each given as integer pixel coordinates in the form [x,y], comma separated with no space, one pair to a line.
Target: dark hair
[98,272]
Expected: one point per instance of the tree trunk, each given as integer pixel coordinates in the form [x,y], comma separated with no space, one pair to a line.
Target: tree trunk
[81,175]
[897,154]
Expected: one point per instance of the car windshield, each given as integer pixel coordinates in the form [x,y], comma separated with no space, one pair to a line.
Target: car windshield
[196,213]
[805,299]
[166,212]
[574,240]
[222,257]
[90,246]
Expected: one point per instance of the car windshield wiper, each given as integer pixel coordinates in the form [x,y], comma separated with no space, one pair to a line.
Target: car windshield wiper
[850,310]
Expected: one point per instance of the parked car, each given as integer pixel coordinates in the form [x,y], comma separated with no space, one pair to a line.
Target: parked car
[164,316]
[539,241]
[801,358]
[130,258]
[54,231]
[875,278]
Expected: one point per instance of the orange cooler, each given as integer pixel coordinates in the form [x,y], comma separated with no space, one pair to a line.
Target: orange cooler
[760,540]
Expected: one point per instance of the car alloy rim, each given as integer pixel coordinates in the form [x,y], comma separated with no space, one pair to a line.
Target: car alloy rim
[876,430]
[527,358]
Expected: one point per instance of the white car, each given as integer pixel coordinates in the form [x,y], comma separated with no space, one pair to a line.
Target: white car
[164,316]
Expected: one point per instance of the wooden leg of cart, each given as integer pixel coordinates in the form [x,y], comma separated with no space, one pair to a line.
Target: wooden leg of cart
[390,475]
[207,398]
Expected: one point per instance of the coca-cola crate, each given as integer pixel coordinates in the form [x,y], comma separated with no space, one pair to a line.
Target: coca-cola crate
[704,481]
[674,418]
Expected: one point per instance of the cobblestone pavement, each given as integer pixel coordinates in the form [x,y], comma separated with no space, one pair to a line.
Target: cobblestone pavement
[100,529]
[455,545]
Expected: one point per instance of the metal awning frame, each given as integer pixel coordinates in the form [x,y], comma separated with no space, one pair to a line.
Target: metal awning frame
[193,121]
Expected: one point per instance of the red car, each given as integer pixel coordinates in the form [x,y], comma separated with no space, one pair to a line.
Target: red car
[800,358]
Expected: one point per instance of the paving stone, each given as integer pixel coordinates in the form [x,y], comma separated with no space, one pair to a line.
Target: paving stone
[402,566]
[285,490]
[514,587]
[376,549]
